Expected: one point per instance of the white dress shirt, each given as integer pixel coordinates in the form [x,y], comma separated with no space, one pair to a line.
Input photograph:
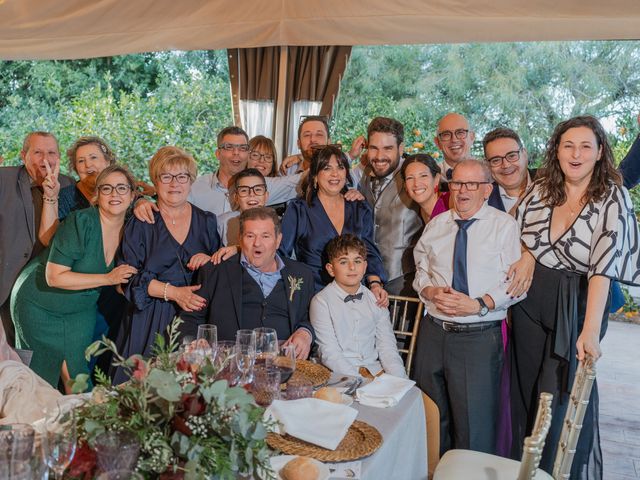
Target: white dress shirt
[508,201]
[354,334]
[493,244]
[210,195]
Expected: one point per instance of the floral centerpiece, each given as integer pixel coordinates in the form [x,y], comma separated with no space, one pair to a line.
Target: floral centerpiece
[189,425]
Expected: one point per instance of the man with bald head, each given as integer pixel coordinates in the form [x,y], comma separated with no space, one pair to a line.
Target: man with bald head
[23,190]
[461,261]
[454,137]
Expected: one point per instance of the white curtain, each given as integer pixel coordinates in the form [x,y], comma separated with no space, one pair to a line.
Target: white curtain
[299,109]
[257,117]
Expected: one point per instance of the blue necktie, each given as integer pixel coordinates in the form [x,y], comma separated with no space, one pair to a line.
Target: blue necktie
[459,282]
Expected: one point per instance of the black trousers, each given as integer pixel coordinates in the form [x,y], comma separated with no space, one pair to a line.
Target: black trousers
[461,373]
[535,368]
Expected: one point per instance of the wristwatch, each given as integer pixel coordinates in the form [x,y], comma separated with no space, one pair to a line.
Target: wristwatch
[483,307]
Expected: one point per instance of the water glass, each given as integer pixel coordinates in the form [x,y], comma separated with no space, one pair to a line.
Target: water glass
[15,470]
[207,340]
[117,451]
[16,442]
[225,363]
[298,387]
[266,345]
[245,354]
[286,362]
[266,385]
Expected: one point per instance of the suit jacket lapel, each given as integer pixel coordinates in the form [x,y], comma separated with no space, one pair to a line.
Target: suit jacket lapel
[365,186]
[234,274]
[285,273]
[24,181]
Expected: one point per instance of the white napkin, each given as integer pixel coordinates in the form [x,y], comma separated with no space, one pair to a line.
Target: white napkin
[312,420]
[385,391]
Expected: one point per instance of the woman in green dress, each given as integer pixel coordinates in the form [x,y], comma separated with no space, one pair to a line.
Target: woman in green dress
[54,300]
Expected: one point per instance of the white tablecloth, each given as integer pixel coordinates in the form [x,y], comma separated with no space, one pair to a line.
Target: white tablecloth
[403,454]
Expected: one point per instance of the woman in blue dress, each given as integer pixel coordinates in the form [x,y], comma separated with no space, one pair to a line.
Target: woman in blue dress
[166,254]
[323,213]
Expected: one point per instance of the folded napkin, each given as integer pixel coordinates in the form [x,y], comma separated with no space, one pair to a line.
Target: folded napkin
[312,420]
[384,391]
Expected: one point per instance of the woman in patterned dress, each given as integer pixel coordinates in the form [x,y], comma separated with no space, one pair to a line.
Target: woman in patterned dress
[580,231]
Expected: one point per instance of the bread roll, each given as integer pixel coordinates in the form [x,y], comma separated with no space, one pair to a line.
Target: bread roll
[300,468]
[329,394]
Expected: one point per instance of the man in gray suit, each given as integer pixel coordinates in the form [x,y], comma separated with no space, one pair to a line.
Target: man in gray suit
[23,189]
[397,222]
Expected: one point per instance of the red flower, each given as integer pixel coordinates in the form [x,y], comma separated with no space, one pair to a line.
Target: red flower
[193,404]
[83,464]
[140,368]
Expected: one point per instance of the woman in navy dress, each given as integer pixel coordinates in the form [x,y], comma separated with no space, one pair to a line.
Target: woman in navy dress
[166,255]
[311,222]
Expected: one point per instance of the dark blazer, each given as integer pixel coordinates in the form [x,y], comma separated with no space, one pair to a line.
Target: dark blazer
[630,165]
[495,200]
[18,227]
[221,287]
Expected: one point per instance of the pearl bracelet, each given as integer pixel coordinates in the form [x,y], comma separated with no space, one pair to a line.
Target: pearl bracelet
[164,295]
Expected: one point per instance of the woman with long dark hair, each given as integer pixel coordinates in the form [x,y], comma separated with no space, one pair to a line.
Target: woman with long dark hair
[579,227]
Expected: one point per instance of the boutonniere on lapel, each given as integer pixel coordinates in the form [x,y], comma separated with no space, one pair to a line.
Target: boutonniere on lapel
[295,284]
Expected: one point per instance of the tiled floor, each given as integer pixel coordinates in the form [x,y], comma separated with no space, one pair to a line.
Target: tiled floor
[618,374]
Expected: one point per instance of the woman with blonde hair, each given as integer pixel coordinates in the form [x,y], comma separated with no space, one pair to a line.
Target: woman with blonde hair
[165,253]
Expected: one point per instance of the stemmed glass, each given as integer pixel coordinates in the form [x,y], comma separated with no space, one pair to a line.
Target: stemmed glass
[245,354]
[207,341]
[60,441]
[285,362]
[266,345]
[225,362]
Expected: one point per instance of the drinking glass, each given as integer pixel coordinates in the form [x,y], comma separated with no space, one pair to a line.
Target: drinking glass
[298,387]
[207,340]
[286,362]
[266,345]
[16,442]
[117,450]
[225,362]
[122,474]
[59,442]
[245,354]
[266,385]
[15,470]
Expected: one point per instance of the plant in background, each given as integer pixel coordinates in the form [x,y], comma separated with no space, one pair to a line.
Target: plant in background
[189,425]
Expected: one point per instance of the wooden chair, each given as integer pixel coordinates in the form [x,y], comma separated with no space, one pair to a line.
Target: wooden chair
[578,402]
[457,464]
[405,325]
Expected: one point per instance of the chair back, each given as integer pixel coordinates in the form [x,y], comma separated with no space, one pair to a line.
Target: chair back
[534,444]
[405,313]
[572,425]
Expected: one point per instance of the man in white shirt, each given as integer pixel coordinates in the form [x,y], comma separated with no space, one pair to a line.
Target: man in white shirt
[210,192]
[462,259]
[454,138]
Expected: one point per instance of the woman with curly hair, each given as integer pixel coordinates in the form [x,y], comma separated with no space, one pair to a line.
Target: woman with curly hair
[579,232]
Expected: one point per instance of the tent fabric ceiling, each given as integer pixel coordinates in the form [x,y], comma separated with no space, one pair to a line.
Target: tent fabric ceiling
[67,29]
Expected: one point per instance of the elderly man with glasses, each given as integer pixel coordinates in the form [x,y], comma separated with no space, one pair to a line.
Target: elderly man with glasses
[461,262]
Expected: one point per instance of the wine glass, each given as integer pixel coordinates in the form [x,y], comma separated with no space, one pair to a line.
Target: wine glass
[285,362]
[225,362]
[245,354]
[207,340]
[60,441]
[266,345]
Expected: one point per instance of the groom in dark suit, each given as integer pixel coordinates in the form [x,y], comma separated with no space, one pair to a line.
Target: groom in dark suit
[256,288]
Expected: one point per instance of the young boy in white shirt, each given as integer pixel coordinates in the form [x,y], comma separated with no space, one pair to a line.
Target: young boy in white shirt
[352,332]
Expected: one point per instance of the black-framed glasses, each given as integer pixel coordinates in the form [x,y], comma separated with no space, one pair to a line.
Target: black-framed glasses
[510,157]
[460,133]
[260,157]
[471,186]
[258,190]
[121,188]
[167,178]
[229,147]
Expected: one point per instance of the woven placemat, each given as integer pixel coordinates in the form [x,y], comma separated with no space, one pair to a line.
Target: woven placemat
[317,374]
[360,441]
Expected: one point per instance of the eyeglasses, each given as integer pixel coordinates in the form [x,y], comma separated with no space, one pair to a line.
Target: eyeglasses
[261,157]
[229,147]
[447,135]
[167,178]
[121,189]
[471,186]
[257,190]
[510,157]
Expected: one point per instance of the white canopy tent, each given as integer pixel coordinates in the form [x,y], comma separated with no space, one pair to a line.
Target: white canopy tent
[267,38]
